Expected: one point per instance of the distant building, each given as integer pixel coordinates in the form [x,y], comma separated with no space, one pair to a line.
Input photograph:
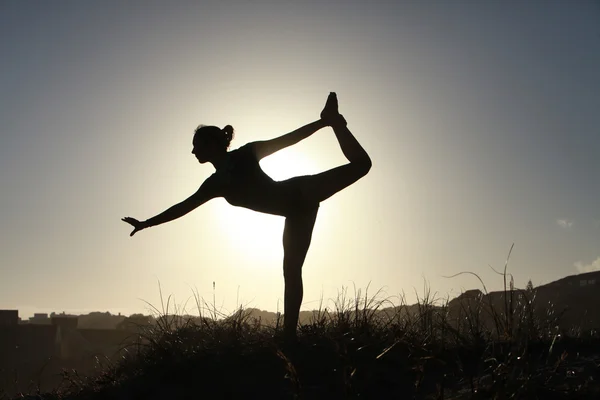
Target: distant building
[587,282]
[64,321]
[9,317]
[581,280]
[40,318]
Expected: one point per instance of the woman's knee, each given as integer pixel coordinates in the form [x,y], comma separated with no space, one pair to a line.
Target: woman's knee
[363,166]
[292,276]
[367,164]
[292,271]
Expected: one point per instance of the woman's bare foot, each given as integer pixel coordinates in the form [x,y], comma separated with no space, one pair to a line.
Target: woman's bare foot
[330,111]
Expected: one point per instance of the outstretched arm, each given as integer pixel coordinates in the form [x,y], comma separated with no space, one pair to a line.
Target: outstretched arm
[265,148]
[206,192]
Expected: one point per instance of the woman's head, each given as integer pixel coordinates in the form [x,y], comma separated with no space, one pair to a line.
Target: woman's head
[210,141]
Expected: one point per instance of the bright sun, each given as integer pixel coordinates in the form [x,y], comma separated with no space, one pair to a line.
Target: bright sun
[255,234]
[252,234]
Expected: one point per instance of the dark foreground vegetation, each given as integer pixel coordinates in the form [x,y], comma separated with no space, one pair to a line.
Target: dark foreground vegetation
[503,345]
[357,350]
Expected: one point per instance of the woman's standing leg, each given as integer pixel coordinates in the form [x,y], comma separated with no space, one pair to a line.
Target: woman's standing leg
[297,235]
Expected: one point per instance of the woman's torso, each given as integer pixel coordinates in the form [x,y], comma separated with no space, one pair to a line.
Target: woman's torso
[243,183]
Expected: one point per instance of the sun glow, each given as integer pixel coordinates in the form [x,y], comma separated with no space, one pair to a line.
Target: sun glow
[252,234]
[257,235]
[287,164]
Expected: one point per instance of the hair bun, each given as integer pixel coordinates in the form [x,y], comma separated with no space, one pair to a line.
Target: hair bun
[228,129]
[228,132]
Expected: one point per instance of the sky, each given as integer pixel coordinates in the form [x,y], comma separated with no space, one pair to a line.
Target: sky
[481,118]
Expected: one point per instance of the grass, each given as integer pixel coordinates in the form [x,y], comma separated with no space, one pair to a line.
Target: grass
[365,346]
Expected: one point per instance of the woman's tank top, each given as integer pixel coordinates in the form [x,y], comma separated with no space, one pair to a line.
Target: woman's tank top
[243,183]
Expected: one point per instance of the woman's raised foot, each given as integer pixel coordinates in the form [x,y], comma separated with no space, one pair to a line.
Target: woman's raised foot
[330,111]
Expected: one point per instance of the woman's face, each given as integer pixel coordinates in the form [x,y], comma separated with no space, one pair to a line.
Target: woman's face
[203,148]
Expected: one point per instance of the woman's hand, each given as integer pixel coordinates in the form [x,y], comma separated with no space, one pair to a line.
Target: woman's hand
[138,225]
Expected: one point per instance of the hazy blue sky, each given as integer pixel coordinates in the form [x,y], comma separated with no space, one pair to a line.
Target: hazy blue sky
[482,120]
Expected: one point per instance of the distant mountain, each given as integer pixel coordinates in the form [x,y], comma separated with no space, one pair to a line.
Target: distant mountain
[576,297]
[569,303]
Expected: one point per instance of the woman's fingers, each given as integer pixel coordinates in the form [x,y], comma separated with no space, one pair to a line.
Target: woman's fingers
[133,222]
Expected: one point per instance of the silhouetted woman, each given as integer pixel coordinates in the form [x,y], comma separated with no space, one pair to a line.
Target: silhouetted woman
[241,181]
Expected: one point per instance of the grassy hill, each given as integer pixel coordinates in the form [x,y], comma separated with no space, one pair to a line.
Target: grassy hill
[506,344]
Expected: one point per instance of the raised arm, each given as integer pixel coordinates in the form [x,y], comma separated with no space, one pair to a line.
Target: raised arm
[207,191]
[265,148]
